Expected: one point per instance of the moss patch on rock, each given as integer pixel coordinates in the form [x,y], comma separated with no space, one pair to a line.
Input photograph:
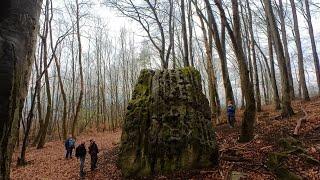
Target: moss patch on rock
[167,125]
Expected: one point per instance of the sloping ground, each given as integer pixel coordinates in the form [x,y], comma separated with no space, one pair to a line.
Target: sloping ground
[249,160]
[238,160]
[49,163]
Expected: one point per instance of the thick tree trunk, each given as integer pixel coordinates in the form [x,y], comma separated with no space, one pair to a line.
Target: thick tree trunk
[18,29]
[285,88]
[286,49]
[313,45]
[302,77]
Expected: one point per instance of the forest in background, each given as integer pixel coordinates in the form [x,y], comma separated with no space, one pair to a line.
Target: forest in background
[101,70]
[251,52]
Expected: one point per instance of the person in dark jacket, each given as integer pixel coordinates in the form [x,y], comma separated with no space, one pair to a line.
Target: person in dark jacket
[231,111]
[69,144]
[81,153]
[93,151]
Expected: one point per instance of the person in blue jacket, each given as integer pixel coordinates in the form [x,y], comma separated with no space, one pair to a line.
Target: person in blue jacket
[231,111]
[69,144]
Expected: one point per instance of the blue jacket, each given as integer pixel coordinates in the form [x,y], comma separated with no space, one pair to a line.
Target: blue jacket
[69,143]
[231,110]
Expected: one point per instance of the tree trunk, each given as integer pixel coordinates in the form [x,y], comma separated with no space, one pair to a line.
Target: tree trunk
[221,49]
[184,35]
[64,98]
[43,131]
[190,25]
[285,88]
[302,77]
[286,49]
[215,110]
[247,127]
[16,50]
[276,98]
[75,120]
[254,60]
[224,66]
[313,45]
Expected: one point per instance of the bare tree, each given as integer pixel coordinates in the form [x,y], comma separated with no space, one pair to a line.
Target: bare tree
[147,14]
[285,88]
[313,44]
[302,78]
[75,120]
[247,127]
[285,46]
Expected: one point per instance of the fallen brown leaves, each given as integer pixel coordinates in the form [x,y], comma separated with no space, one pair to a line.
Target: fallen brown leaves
[49,162]
[237,160]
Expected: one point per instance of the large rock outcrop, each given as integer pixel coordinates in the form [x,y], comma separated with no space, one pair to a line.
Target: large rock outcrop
[167,125]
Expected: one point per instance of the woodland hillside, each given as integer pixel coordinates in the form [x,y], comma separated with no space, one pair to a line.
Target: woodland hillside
[248,160]
[158,84]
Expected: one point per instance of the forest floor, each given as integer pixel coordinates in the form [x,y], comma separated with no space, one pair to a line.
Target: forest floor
[238,160]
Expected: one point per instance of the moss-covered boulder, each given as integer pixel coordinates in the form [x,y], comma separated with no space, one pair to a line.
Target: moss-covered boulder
[167,125]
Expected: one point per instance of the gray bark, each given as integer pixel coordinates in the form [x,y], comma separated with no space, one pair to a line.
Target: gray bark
[302,77]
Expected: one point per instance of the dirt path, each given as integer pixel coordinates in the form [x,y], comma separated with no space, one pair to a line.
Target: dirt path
[49,163]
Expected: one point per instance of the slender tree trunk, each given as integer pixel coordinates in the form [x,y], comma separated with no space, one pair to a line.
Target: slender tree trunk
[285,88]
[184,35]
[313,45]
[247,127]
[302,77]
[263,81]
[17,45]
[221,47]
[276,98]
[190,25]
[254,60]
[286,49]
[224,67]
[78,108]
[43,131]
[210,71]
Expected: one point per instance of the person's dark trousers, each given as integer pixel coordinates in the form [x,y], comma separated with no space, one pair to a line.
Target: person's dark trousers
[231,120]
[94,159]
[82,160]
[69,153]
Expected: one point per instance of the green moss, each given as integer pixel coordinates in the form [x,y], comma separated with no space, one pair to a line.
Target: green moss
[310,159]
[284,174]
[162,134]
[289,143]
[191,70]
[275,159]
[274,163]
